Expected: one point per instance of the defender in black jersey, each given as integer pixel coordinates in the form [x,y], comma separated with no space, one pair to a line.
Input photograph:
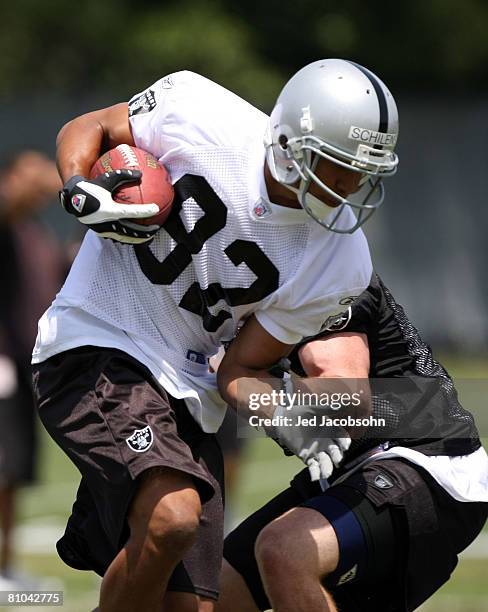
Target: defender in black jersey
[386,533]
[396,350]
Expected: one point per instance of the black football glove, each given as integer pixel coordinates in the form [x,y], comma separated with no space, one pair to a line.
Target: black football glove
[91,202]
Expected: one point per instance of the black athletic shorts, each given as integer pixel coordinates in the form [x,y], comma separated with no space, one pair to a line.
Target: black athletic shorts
[104,409]
[399,535]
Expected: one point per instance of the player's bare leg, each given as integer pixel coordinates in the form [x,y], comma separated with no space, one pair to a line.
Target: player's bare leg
[163,521]
[186,602]
[234,594]
[294,553]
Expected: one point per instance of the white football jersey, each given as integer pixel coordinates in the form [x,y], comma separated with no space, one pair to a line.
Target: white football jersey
[224,253]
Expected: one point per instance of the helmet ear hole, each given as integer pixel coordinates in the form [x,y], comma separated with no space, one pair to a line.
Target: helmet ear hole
[283,141]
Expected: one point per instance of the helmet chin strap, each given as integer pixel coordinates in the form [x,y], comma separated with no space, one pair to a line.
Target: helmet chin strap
[320,210]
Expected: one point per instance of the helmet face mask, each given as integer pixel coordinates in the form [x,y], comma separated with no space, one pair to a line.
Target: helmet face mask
[364,202]
[351,121]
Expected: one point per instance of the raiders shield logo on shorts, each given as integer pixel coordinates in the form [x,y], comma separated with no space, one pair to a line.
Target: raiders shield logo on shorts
[382,482]
[337,322]
[141,440]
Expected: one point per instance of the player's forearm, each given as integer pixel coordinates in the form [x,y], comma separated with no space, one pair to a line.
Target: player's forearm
[82,140]
[256,392]
[78,146]
[238,385]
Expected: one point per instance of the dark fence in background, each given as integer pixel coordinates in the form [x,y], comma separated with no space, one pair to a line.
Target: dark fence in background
[429,240]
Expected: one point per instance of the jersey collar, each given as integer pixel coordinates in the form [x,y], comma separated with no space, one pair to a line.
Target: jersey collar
[265,211]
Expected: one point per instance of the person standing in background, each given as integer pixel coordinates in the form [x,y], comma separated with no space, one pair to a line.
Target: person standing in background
[32,270]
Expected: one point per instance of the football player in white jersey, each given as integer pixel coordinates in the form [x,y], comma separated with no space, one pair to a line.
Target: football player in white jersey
[262,236]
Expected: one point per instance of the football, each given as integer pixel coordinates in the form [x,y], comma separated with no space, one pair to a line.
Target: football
[155,184]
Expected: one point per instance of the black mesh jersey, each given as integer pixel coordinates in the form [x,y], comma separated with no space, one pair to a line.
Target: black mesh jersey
[422,409]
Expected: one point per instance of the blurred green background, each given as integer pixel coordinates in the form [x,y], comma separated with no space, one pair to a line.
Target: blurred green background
[60,58]
[251,46]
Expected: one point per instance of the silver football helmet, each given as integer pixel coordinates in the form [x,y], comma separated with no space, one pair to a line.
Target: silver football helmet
[340,111]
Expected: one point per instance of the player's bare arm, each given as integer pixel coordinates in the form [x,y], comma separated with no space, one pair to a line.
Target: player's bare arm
[244,369]
[79,145]
[255,351]
[81,141]
[243,373]
[341,355]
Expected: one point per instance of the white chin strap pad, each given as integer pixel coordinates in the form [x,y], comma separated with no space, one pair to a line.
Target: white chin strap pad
[319,209]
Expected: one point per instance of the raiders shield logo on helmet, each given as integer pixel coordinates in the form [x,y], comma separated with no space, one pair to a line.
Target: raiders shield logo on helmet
[141,440]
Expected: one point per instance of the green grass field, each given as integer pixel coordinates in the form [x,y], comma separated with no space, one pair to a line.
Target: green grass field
[265,471]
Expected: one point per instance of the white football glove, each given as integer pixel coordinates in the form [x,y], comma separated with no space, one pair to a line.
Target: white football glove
[91,202]
[308,443]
